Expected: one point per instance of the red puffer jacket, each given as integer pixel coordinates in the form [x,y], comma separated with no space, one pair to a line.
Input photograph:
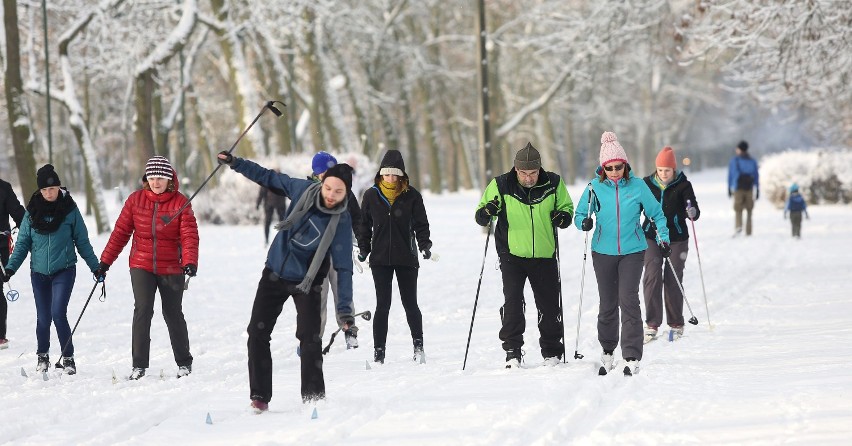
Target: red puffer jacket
[157,247]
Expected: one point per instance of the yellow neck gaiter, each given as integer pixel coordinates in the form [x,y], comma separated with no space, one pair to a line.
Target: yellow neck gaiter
[389,190]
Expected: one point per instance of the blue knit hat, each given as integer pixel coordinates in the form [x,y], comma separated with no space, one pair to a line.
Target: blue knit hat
[794,187]
[322,161]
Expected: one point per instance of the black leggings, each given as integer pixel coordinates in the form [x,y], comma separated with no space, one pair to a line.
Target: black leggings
[406,278]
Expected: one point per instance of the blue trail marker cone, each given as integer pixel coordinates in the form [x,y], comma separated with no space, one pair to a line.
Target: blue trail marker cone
[314,414]
[209,419]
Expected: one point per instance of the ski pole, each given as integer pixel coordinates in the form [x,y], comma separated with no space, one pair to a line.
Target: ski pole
[478,287]
[270,105]
[62,354]
[559,284]
[577,354]
[693,320]
[366,315]
[700,270]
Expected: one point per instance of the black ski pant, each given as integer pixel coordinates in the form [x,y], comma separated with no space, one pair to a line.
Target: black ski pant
[657,280]
[406,278]
[272,292]
[4,257]
[544,281]
[145,284]
[618,286]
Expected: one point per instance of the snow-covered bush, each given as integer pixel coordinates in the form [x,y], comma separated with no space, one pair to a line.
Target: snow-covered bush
[232,201]
[823,176]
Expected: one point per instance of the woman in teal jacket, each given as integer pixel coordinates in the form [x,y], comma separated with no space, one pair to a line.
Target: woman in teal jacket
[618,198]
[51,229]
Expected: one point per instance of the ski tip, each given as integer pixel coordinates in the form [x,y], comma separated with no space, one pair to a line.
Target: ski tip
[23,372]
[602,371]
[314,415]
[209,419]
[367,364]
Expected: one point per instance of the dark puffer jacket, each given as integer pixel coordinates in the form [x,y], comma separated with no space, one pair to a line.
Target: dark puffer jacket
[673,200]
[157,247]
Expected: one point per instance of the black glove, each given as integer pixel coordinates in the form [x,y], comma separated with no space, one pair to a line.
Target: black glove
[100,272]
[8,275]
[190,269]
[228,160]
[492,208]
[347,321]
[587,224]
[427,254]
[665,249]
[362,255]
[560,219]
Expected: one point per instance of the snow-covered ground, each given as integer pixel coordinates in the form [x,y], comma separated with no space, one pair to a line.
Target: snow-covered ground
[773,368]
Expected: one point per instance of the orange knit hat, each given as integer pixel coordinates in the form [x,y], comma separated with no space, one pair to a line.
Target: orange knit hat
[666,158]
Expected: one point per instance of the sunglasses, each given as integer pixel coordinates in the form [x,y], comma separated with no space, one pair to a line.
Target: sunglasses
[615,168]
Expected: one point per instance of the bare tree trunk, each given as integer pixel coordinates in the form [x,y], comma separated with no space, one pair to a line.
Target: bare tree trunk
[145,147]
[19,120]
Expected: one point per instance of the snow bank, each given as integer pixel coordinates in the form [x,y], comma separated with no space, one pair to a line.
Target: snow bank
[823,175]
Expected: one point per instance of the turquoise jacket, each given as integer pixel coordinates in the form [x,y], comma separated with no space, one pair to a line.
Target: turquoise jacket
[53,252]
[618,207]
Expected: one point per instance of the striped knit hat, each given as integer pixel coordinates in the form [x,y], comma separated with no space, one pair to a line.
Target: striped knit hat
[159,167]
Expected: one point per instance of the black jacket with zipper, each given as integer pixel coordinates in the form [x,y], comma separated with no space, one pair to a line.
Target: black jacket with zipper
[673,200]
[393,233]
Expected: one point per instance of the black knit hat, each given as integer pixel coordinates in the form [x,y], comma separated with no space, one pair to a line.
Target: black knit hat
[528,158]
[743,146]
[392,164]
[342,171]
[47,177]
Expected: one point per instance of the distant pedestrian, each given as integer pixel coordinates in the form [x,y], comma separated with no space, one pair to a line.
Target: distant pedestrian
[160,255]
[744,186]
[320,164]
[274,202]
[661,290]
[393,227]
[51,230]
[10,207]
[796,206]
[618,199]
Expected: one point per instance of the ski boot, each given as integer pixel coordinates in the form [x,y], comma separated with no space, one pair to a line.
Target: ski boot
[513,358]
[43,364]
[606,363]
[419,354]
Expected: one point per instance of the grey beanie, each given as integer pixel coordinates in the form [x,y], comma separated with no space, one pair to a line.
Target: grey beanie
[528,158]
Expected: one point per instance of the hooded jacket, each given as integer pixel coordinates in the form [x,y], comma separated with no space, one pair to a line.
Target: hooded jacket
[54,251]
[673,199]
[617,206]
[292,250]
[391,233]
[9,207]
[157,247]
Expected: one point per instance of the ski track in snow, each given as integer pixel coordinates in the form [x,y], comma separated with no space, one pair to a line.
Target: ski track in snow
[773,369]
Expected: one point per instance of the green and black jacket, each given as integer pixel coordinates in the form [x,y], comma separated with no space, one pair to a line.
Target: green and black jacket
[524,227]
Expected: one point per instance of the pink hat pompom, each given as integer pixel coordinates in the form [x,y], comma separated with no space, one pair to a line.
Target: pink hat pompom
[611,150]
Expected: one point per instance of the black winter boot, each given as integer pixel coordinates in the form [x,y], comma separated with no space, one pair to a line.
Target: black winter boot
[43,363]
[379,355]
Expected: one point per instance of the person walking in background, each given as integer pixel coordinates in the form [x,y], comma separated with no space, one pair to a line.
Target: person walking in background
[161,254]
[273,202]
[677,198]
[10,207]
[51,229]
[743,185]
[528,203]
[315,234]
[393,225]
[617,199]
[321,162]
[795,207]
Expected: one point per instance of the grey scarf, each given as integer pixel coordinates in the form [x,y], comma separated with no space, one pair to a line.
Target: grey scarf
[312,197]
